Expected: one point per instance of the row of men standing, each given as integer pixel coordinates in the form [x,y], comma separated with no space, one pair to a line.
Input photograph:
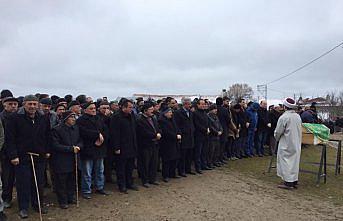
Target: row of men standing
[198,133]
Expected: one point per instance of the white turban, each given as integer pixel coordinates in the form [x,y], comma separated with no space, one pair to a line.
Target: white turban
[290,103]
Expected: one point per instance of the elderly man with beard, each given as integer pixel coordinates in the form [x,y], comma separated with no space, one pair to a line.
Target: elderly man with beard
[7,174]
[45,109]
[148,136]
[288,133]
[59,110]
[28,132]
[66,142]
[92,132]
[123,141]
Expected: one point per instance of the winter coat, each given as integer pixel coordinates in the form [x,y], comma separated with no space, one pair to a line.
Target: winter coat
[90,127]
[273,117]
[64,138]
[186,126]
[146,133]
[4,117]
[262,120]
[201,124]
[253,118]
[308,117]
[243,120]
[123,135]
[215,127]
[224,118]
[24,135]
[169,145]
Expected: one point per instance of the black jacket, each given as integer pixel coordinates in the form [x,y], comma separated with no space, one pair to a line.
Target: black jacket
[24,135]
[243,118]
[262,120]
[123,134]
[224,118]
[62,150]
[201,124]
[215,127]
[273,117]
[4,117]
[146,133]
[90,128]
[169,145]
[186,126]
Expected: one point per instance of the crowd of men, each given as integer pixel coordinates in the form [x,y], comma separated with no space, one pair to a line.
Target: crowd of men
[71,137]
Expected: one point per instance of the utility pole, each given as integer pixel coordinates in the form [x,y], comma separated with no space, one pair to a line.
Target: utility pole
[262,91]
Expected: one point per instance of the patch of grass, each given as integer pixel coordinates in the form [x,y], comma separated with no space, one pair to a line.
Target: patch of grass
[331,191]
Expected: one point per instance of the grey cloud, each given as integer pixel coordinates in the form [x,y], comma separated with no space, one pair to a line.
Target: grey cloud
[117,48]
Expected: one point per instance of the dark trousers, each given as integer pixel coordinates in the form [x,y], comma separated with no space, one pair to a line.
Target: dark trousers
[65,187]
[185,162]
[8,177]
[250,142]
[230,147]
[168,168]
[239,146]
[198,148]
[108,167]
[260,140]
[272,145]
[124,169]
[214,146]
[25,183]
[204,154]
[221,150]
[148,164]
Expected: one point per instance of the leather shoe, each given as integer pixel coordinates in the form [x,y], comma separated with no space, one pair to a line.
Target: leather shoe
[23,214]
[176,177]
[183,175]
[7,204]
[154,183]
[123,190]
[192,173]
[146,185]
[166,180]
[44,209]
[87,196]
[132,187]
[72,201]
[102,192]
[64,206]
[199,171]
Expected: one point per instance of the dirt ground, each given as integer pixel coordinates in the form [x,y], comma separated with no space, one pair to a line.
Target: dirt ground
[215,195]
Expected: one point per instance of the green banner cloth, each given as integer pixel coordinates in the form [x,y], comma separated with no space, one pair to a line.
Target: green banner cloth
[318,130]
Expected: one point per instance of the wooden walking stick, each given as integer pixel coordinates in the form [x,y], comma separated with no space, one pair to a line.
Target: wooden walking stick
[76,182]
[35,177]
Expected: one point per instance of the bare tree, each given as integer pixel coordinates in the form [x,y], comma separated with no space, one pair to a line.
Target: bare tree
[340,98]
[237,91]
[331,98]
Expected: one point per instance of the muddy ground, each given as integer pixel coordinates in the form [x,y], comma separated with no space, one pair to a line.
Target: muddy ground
[215,195]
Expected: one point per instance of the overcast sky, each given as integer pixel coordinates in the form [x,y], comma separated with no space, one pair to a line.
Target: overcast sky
[117,48]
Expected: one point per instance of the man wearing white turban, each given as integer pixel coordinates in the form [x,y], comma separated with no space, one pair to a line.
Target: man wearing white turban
[288,134]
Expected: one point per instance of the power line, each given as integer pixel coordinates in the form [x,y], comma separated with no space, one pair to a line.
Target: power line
[307,64]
